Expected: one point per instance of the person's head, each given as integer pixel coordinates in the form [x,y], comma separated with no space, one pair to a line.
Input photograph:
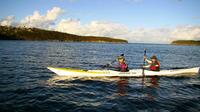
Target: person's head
[154,59]
[121,59]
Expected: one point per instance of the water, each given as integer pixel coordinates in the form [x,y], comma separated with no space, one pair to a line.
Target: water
[27,86]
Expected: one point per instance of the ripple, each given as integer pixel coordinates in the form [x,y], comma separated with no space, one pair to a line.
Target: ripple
[27,86]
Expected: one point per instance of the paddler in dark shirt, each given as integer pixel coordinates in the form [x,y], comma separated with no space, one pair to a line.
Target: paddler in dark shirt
[153,64]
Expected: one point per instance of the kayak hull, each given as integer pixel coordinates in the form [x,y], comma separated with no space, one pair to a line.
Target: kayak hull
[132,73]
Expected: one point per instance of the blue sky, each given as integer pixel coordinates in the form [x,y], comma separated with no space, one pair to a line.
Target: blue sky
[146,14]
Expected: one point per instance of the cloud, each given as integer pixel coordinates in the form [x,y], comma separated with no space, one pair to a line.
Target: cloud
[95,28]
[165,34]
[150,35]
[116,30]
[105,28]
[70,25]
[7,21]
[186,32]
[42,21]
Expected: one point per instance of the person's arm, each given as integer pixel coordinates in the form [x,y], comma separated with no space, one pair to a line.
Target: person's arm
[117,67]
[147,66]
[148,61]
[158,65]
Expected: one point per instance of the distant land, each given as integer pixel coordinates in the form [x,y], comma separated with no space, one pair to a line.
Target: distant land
[186,42]
[35,34]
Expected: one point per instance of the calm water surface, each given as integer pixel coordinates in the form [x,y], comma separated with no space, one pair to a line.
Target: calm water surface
[27,86]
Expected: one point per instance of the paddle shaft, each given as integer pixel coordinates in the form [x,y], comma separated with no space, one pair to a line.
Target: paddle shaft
[108,65]
[145,51]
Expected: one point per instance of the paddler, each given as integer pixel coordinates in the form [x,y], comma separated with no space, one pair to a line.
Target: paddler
[153,64]
[122,65]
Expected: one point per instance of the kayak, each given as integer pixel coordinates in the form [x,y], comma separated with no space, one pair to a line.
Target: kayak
[132,73]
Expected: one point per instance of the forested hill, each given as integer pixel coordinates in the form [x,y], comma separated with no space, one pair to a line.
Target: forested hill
[186,42]
[17,33]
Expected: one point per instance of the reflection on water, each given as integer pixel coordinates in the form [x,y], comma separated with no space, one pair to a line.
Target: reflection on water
[152,82]
[122,83]
[122,86]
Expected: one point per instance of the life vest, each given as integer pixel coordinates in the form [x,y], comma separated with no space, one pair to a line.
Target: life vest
[124,67]
[153,66]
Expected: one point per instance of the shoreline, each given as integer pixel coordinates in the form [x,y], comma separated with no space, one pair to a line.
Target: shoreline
[35,34]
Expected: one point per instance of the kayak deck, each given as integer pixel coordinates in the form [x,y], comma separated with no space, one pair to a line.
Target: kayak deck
[132,73]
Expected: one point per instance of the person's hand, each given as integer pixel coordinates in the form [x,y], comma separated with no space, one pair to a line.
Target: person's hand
[107,65]
[145,57]
[143,67]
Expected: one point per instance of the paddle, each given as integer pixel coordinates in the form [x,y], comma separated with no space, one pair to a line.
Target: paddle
[108,64]
[143,74]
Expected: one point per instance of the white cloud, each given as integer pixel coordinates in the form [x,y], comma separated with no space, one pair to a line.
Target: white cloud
[70,26]
[105,28]
[54,13]
[94,28]
[42,21]
[151,35]
[7,21]
[186,32]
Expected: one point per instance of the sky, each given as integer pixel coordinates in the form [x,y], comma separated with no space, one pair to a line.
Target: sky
[138,21]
